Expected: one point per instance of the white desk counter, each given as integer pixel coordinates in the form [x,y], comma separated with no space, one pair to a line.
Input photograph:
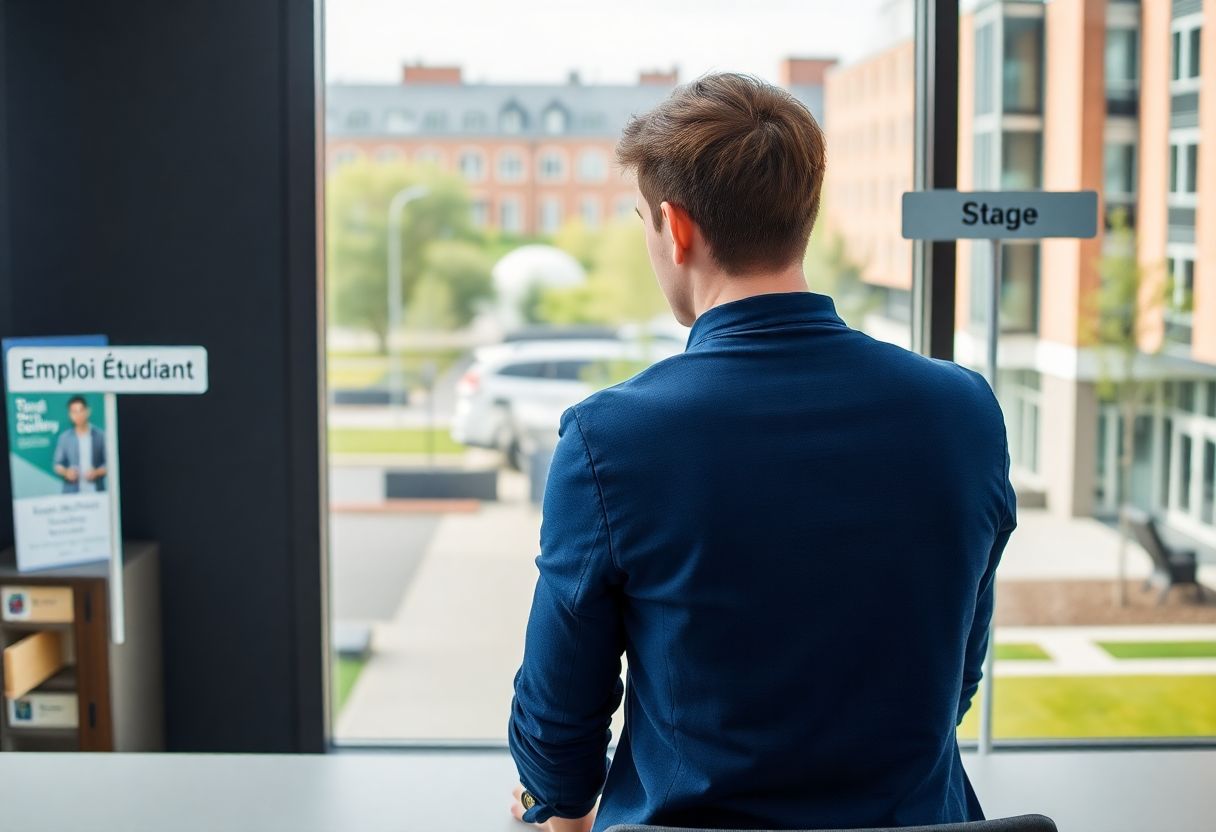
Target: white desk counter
[468,791]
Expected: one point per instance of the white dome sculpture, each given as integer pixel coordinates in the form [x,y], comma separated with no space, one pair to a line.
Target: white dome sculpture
[522,269]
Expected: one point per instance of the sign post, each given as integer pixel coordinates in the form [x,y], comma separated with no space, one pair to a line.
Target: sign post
[110,371]
[997,216]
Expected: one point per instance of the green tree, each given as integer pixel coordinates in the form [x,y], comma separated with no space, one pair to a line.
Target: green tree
[432,306]
[464,270]
[620,287]
[1117,326]
[578,240]
[357,203]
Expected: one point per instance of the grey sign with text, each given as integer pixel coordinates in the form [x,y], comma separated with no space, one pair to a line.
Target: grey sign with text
[999,215]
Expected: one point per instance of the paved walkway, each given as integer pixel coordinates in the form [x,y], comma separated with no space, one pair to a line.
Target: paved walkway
[1048,548]
[1074,651]
[443,667]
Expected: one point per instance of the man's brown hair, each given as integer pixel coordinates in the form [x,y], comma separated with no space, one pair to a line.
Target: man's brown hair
[744,158]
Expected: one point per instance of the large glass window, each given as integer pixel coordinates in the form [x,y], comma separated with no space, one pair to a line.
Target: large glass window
[510,166]
[1122,57]
[1022,69]
[510,215]
[1186,54]
[550,214]
[1019,286]
[1021,161]
[985,59]
[592,166]
[552,166]
[1105,395]
[1208,483]
[525,285]
[1193,62]
[506,279]
[1120,169]
[1122,70]
[472,165]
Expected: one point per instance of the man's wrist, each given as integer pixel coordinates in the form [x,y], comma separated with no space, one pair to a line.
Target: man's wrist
[536,811]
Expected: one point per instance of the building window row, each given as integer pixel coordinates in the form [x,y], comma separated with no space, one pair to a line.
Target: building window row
[592,166]
[866,139]
[1122,70]
[1184,167]
[1021,400]
[1019,304]
[1186,52]
[1119,162]
[1174,448]
[888,77]
[551,212]
[551,167]
[1022,67]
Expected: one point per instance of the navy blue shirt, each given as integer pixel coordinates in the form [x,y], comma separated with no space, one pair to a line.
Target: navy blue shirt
[790,531]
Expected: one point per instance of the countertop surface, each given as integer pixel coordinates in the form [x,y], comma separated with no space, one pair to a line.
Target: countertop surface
[459,790]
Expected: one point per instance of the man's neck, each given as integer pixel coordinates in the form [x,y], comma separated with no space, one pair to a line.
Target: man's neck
[81,430]
[730,289]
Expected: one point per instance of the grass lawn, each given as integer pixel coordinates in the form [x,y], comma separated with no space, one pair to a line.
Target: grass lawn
[351,376]
[1160,649]
[393,441]
[1020,652]
[357,371]
[1051,707]
[346,671]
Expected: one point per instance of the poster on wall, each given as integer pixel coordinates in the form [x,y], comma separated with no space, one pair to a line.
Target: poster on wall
[58,462]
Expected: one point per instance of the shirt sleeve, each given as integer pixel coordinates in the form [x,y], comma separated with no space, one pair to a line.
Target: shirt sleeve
[61,451]
[570,682]
[981,624]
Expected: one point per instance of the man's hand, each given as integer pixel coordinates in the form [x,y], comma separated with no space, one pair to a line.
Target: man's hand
[71,474]
[554,824]
[96,474]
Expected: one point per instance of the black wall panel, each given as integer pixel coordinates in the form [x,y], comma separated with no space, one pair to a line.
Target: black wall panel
[159,187]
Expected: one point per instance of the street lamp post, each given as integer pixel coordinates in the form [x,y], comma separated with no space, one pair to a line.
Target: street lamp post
[396,386]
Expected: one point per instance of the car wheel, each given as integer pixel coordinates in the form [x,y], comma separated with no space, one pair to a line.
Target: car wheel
[507,441]
[515,456]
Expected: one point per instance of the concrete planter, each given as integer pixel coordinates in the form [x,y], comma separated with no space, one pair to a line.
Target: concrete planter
[369,396]
[441,484]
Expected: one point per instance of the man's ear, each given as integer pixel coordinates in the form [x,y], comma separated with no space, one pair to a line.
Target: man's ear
[680,226]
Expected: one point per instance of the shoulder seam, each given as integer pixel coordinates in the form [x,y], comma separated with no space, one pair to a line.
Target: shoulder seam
[599,488]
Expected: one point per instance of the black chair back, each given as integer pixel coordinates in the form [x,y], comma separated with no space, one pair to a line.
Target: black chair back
[1021,823]
[1145,531]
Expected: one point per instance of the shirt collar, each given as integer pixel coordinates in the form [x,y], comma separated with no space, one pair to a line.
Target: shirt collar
[763,312]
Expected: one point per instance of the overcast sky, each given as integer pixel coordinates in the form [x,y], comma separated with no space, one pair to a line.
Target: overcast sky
[540,41]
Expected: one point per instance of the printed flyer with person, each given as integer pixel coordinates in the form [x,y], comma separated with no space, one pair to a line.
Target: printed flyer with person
[58,462]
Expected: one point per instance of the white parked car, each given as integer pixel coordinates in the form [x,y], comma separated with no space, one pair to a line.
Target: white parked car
[515,393]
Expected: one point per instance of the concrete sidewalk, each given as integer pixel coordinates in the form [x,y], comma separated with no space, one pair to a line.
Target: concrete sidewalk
[1075,651]
[443,667]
